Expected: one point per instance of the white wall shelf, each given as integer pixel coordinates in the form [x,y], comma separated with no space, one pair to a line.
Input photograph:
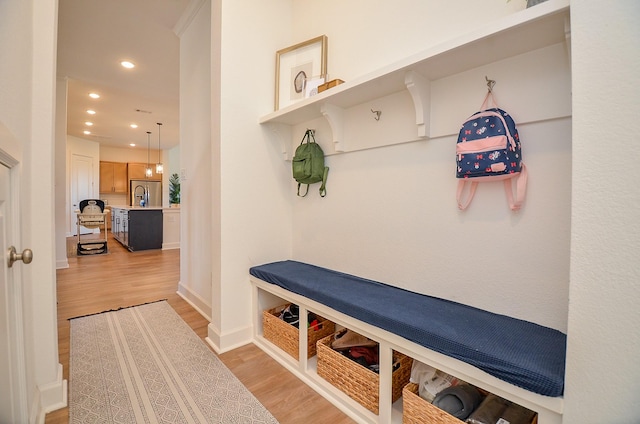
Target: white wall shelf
[535,28]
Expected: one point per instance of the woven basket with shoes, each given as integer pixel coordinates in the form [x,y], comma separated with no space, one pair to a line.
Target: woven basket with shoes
[286,336]
[358,382]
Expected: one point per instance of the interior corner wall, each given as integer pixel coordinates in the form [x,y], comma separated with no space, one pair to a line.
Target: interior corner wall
[603,376]
[195,162]
[255,193]
[391,214]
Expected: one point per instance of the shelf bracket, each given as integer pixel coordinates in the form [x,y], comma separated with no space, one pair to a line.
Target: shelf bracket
[281,133]
[420,90]
[335,117]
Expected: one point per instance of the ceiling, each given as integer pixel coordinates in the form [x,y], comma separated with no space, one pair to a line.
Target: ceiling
[94,36]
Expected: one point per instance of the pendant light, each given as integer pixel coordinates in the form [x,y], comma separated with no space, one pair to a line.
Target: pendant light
[159,167]
[148,171]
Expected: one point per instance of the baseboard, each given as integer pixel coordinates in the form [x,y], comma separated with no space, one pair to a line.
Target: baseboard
[49,397]
[195,300]
[222,343]
[62,264]
[170,246]
[219,342]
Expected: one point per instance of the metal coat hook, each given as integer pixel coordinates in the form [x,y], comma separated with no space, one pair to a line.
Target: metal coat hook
[490,84]
[377,114]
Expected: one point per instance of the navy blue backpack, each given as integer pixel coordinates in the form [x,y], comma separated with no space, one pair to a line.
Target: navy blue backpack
[488,149]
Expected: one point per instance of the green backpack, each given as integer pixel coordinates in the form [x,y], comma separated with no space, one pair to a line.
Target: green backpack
[308,164]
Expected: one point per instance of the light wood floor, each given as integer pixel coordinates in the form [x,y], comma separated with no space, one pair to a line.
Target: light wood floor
[94,284]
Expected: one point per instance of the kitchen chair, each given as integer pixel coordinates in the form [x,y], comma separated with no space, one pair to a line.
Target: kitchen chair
[92,214]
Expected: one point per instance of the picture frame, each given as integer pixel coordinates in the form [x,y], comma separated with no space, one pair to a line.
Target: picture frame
[297,64]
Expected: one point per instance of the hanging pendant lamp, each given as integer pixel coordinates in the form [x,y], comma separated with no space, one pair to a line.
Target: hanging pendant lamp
[159,167]
[148,171]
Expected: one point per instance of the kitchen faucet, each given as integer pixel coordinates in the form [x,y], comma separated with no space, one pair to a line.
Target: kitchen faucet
[144,198]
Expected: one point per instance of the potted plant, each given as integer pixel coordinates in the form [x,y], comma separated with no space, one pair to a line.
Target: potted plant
[174,191]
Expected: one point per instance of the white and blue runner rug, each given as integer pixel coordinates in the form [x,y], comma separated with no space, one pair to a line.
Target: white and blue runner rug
[144,364]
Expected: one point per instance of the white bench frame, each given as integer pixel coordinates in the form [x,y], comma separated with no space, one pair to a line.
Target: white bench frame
[267,296]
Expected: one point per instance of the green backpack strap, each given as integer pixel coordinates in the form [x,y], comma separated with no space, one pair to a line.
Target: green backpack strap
[305,193]
[323,188]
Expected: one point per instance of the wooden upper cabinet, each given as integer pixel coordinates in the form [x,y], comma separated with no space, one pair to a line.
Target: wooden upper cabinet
[137,172]
[113,177]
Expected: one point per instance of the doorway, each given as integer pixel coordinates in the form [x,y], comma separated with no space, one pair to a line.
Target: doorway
[81,188]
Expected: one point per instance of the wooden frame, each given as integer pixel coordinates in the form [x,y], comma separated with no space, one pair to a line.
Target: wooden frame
[297,64]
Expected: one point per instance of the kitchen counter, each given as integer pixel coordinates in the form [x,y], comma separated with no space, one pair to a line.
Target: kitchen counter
[141,208]
[136,227]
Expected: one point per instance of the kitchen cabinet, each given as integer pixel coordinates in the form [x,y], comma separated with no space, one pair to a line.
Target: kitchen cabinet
[136,171]
[119,225]
[113,177]
[137,228]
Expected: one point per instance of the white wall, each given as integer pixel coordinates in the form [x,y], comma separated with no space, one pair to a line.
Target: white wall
[123,154]
[196,162]
[61,180]
[390,213]
[359,43]
[27,106]
[603,375]
[239,214]
[255,200]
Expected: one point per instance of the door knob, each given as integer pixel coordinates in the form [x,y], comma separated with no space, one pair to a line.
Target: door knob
[26,256]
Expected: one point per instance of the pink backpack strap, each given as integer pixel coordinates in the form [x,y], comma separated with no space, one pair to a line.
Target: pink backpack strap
[488,100]
[463,204]
[515,202]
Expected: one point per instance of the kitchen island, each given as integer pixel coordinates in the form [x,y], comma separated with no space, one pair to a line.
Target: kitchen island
[136,227]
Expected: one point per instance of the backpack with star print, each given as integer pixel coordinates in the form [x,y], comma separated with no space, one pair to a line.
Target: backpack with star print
[488,149]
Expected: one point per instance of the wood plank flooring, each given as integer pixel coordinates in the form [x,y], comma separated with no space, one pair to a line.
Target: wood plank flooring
[121,278]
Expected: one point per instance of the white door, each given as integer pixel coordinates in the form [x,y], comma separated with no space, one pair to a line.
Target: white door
[13,392]
[81,187]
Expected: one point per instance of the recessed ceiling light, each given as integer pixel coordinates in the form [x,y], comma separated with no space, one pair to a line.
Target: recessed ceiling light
[127,64]
[134,125]
[86,132]
[88,124]
[94,95]
[91,112]
[132,144]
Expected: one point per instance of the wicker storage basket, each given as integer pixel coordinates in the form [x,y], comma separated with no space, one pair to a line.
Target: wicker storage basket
[360,383]
[286,336]
[417,410]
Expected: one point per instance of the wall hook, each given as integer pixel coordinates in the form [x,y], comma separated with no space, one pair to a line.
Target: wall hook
[377,114]
[490,84]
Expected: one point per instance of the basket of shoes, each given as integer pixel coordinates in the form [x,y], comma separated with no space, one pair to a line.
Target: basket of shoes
[345,359]
[280,327]
[460,408]
[416,410]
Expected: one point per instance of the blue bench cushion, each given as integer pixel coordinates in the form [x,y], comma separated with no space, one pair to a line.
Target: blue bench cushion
[519,352]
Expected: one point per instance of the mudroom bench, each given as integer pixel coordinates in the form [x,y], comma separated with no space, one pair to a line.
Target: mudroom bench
[518,360]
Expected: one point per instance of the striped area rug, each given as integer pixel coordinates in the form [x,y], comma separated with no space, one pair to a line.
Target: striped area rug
[144,364]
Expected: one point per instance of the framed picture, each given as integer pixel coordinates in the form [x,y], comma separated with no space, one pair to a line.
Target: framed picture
[296,66]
